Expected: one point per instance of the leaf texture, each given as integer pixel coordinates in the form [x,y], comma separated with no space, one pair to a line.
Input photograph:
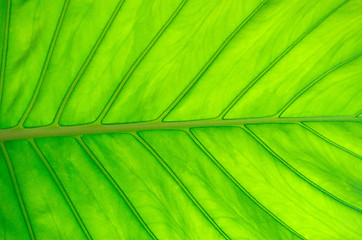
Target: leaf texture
[186,119]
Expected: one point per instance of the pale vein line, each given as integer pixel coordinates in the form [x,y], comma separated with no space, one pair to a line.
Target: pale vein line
[49,131]
[251,197]
[210,62]
[273,63]
[115,185]
[17,191]
[137,62]
[328,140]
[290,167]
[181,185]
[46,64]
[86,63]
[311,84]
[5,48]
[61,188]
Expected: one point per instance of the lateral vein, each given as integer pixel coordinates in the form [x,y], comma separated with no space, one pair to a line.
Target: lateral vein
[86,63]
[275,61]
[238,184]
[181,185]
[329,141]
[211,61]
[17,191]
[5,48]
[311,84]
[61,188]
[115,185]
[298,173]
[46,64]
[137,62]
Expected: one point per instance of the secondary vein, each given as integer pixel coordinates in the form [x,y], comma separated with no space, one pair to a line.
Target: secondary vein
[328,140]
[5,48]
[275,61]
[17,191]
[137,62]
[298,173]
[238,185]
[311,84]
[181,185]
[116,186]
[211,61]
[61,188]
[86,63]
[46,64]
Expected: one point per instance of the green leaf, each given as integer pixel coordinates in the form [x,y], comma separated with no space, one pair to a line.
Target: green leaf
[180,119]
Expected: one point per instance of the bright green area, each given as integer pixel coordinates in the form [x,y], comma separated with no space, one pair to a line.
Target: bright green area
[292,68]
[308,210]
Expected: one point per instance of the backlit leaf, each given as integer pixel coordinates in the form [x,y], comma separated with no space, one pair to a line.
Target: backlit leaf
[188,119]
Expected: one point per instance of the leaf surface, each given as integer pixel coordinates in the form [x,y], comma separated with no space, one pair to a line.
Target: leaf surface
[187,119]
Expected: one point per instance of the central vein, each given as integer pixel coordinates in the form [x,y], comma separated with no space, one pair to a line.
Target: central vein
[51,131]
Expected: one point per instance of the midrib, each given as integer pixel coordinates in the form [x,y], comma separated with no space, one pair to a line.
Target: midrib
[52,131]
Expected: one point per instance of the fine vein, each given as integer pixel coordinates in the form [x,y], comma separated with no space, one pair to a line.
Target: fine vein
[276,60]
[17,191]
[137,62]
[182,186]
[290,167]
[211,61]
[115,185]
[5,48]
[61,188]
[329,141]
[86,63]
[232,179]
[46,64]
[311,84]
